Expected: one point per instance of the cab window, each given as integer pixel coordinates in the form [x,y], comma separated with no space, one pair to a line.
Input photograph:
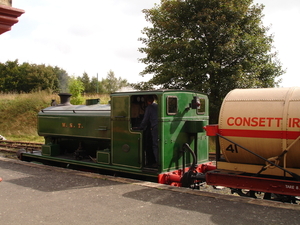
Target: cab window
[201,108]
[172,105]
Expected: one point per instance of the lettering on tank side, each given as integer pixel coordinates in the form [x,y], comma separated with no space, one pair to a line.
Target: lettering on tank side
[72,125]
[261,122]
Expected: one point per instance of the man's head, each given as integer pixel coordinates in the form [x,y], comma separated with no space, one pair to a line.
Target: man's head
[150,99]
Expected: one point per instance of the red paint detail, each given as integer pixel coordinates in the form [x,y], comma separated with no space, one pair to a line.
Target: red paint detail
[260,133]
[173,178]
[270,185]
[211,130]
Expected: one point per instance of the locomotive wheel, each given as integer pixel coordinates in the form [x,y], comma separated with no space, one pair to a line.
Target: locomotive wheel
[19,153]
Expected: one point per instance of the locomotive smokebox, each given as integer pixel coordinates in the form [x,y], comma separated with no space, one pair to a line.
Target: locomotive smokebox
[265,121]
[65,99]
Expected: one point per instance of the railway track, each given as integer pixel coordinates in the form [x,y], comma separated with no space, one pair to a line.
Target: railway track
[14,146]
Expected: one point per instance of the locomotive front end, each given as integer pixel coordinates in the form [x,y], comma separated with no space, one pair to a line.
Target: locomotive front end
[74,129]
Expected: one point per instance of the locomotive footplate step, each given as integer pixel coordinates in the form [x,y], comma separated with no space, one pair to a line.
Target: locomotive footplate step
[149,169]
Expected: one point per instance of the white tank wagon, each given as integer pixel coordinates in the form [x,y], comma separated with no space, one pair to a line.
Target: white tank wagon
[264,121]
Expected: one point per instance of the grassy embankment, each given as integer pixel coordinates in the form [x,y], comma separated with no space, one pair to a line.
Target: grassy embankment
[18,114]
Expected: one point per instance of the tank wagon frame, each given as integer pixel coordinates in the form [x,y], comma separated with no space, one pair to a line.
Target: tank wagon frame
[275,181]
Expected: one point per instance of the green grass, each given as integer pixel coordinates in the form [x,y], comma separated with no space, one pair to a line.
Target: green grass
[18,114]
[212,144]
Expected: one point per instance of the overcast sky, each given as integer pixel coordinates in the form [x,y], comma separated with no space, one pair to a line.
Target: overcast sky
[96,36]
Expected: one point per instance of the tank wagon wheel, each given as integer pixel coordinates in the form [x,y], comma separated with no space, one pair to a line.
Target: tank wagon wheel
[267,196]
[281,198]
[244,193]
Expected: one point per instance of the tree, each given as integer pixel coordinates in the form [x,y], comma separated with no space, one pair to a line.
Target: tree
[112,84]
[33,77]
[76,88]
[95,85]
[212,46]
[86,83]
[9,76]
[30,77]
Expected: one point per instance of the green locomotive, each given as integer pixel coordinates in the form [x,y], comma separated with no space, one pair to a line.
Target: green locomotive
[103,136]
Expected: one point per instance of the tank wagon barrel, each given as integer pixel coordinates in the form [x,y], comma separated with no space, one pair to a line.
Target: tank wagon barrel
[264,120]
[259,133]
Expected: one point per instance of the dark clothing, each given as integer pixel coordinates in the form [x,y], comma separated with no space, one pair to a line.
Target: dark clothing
[150,116]
[150,119]
[148,147]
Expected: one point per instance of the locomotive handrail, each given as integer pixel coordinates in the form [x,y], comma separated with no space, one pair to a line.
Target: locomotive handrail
[192,167]
[186,178]
[297,177]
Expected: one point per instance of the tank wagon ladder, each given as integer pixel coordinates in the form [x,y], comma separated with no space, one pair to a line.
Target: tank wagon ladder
[297,177]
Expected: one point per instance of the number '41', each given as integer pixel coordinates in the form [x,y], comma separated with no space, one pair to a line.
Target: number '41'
[232,148]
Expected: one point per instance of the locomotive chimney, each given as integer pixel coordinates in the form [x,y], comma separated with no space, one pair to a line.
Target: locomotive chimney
[65,98]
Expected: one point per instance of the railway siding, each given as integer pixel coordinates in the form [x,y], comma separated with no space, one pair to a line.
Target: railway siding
[13,146]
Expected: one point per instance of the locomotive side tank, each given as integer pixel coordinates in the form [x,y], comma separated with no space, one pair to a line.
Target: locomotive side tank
[67,127]
[87,121]
[265,121]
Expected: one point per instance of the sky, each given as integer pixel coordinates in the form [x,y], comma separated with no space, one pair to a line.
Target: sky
[95,36]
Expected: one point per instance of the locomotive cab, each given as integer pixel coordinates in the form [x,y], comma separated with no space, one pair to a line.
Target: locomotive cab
[128,145]
[180,121]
